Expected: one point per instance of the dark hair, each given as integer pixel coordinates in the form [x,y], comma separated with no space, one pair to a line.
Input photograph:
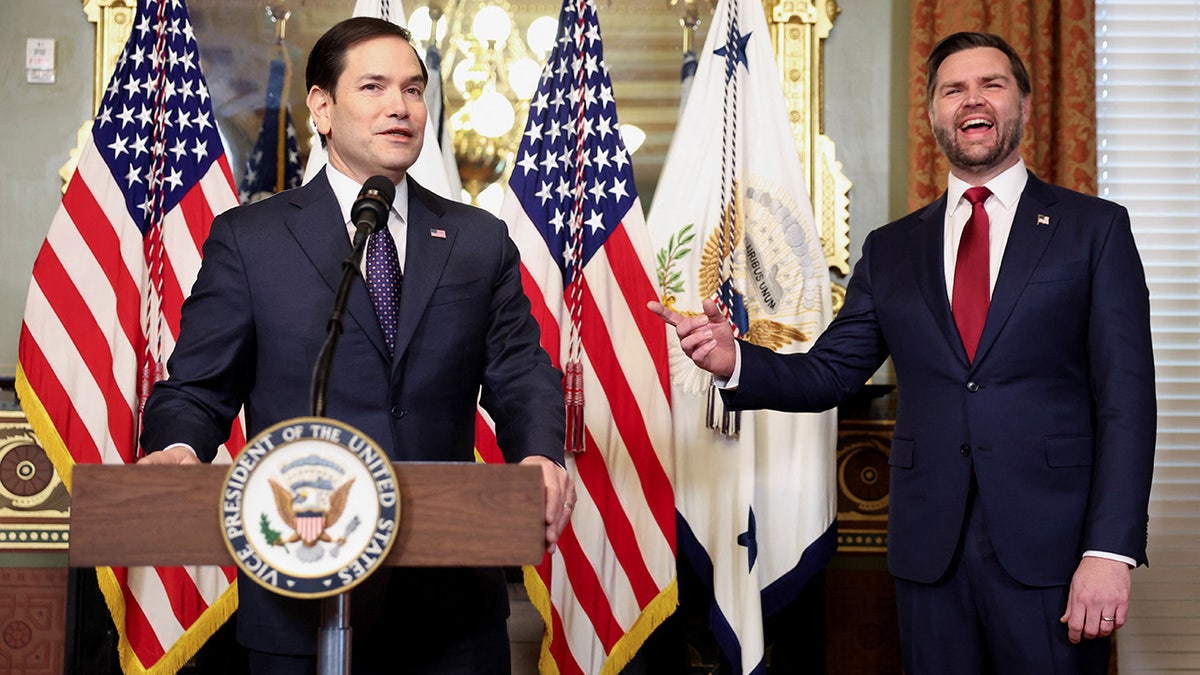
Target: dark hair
[327,59]
[958,42]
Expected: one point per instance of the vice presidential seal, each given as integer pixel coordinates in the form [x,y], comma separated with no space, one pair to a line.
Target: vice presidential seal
[310,507]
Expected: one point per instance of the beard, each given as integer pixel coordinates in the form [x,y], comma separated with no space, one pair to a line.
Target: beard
[1008,138]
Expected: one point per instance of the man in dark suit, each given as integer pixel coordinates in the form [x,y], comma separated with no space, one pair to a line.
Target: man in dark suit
[1024,440]
[256,320]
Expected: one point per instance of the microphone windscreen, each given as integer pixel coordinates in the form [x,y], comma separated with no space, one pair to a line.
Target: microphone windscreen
[384,189]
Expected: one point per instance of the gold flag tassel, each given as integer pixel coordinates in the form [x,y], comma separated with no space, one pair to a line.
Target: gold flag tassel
[573,391]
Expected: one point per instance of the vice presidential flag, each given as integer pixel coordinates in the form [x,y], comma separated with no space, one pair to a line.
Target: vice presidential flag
[573,210]
[102,312]
[732,222]
[430,169]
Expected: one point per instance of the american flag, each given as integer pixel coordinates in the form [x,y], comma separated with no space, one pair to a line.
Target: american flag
[573,210]
[274,163]
[103,307]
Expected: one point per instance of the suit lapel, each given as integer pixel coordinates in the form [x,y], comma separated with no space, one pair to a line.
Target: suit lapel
[930,266]
[1032,228]
[319,228]
[429,240]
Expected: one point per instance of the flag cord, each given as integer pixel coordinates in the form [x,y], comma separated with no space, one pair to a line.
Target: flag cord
[723,295]
[151,369]
[573,376]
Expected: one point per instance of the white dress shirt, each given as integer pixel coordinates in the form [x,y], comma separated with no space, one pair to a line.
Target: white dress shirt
[1001,206]
[346,191]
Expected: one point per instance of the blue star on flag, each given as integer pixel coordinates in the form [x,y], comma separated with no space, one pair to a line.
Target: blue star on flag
[750,541]
[735,50]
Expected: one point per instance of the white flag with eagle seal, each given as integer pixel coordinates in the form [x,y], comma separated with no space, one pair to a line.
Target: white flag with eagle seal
[731,221]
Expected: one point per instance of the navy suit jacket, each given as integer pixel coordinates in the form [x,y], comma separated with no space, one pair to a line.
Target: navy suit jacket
[1056,414]
[250,334]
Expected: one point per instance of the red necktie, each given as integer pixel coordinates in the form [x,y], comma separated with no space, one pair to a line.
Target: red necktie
[972,281]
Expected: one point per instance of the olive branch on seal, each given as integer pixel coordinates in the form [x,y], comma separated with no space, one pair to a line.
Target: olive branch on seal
[670,279]
[273,538]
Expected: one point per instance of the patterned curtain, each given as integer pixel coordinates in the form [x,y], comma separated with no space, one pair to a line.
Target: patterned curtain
[1056,40]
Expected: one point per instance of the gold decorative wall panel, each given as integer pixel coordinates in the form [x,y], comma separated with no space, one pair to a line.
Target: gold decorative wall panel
[798,31]
[114,23]
[34,504]
[862,481]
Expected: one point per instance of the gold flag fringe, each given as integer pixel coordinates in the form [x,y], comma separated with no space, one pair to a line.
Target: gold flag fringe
[657,611]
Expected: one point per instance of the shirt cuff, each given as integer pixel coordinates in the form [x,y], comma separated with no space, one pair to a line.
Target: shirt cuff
[185,446]
[1111,556]
[732,382]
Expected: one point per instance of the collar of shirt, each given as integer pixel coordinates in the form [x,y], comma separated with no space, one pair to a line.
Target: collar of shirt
[1001,206]
[346,190]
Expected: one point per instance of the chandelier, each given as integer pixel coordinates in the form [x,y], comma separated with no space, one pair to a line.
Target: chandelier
[490,73]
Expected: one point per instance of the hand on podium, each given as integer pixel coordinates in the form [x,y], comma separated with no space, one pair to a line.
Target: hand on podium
[174,454]
[560,497]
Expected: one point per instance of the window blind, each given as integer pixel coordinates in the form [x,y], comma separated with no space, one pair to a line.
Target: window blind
[1148,135]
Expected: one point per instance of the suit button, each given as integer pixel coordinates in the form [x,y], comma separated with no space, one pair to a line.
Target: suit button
[972,386]
[398,412]
[964,449]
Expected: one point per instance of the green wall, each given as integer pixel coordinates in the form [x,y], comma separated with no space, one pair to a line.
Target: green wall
[38,125]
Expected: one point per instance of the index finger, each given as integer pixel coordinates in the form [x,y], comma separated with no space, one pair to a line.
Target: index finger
[665,313]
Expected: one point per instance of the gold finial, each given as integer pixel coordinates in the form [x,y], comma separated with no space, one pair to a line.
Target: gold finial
[689,18]
[280,19]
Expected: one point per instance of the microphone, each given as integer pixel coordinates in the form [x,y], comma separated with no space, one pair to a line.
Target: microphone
[373,203]
[369,213]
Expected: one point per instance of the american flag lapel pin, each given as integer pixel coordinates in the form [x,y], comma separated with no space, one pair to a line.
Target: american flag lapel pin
[437,233]
[1043,219]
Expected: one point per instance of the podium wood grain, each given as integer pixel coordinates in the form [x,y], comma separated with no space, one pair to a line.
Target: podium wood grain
[451,514]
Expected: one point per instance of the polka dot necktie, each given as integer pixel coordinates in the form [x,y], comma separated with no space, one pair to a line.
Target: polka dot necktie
[972,279]
[383,282]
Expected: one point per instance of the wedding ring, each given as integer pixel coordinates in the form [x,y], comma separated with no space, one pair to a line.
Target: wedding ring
[568,505]
[1107,618]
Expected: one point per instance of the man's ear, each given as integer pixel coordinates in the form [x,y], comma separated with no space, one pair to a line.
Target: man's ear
[319,101]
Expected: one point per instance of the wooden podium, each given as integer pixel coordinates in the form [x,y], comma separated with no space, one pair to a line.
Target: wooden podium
[451,514]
